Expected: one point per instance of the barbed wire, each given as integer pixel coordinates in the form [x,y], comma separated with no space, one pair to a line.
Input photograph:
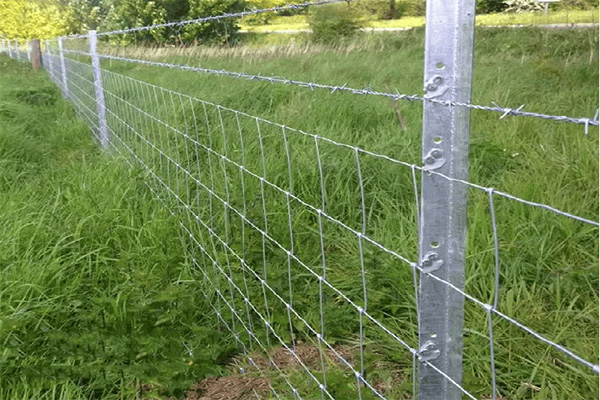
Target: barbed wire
[212,18]
[505,111]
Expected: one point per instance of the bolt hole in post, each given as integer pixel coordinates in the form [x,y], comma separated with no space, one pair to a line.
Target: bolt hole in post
[437,140]
[434,245]
[440,65]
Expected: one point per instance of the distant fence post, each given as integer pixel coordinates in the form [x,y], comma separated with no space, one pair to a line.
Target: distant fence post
[62,67]
[28,46]
[18,56]
[36,54]
[448,68]
[104,138]
[48,62]
[9,49]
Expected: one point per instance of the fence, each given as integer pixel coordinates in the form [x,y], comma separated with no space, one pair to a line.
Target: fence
[298,251]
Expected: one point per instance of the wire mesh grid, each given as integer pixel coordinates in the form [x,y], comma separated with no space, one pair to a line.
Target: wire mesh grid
[290,232]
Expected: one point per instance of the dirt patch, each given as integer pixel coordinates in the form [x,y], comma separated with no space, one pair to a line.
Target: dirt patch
[234,387]
[246,387]
[309,355]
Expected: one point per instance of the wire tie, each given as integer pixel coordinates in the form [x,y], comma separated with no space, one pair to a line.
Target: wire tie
[587,126]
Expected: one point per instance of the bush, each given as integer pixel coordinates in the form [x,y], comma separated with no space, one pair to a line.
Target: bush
[264,18]
[490,6]
[576,4]
[379,9]
[332,22]
[224,31]
[523,5]
[390,9]
[412,8]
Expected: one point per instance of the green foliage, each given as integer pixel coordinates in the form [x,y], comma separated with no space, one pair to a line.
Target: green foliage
[28,19]
[264,18]
[410,7]
[332,22]
[379,9]
[86,15]
[490,6]
[133,13]
[223,31]
[522,5]
[576,4]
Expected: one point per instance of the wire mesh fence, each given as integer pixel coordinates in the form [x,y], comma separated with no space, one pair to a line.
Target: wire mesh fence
[310,246]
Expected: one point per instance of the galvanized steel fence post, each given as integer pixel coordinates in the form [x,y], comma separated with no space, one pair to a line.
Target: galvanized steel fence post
[62,67]
[9,49]
[103,134]
[449,41]
[28,50]
[17,49]
[48,63]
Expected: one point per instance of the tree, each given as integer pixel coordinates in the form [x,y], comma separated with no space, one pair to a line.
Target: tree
[87,14]
[133,13]
[28,19]
[223,31]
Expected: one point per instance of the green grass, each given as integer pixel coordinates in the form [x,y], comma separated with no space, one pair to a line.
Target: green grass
[549,264]
[95,296]
[298,22]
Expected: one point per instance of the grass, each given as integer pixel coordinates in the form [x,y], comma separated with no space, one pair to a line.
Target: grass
[95,295]
[298,22]
[549,269]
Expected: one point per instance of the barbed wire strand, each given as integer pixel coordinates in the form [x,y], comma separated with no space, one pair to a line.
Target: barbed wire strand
[505,111]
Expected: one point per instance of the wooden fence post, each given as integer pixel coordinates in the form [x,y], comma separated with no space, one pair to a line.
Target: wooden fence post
[36,54]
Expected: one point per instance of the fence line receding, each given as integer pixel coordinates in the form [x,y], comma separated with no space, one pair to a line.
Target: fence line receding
[288,231]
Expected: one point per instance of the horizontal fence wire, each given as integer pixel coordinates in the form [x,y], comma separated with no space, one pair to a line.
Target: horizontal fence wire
[261,232]
[505,111]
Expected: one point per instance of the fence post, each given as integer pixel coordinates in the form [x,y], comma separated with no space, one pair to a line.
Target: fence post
[18,56]
[48,62]
[104,138]
[9,49]
[36,54]
[28,46]
[62,67]
[449,37]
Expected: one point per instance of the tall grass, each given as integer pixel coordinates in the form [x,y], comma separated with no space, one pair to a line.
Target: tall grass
[549,264]
[95,295]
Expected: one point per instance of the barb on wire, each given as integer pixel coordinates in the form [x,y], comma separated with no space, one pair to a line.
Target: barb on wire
[505,111]
[213,18]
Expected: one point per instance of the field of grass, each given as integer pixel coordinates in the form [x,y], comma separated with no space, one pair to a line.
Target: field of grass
[298,22]
[95,294]
[103,299]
